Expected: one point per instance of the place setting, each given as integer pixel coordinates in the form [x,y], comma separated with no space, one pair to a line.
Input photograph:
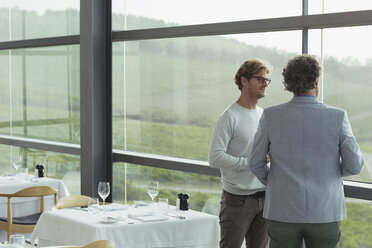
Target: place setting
[140,211]
[20,173]
[158,212]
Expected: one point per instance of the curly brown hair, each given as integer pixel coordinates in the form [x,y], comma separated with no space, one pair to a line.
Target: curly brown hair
[301,73]
[249,68]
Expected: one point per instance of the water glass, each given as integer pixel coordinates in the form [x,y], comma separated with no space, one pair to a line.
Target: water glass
[163,205]
[23,174]
[36,176]
[17,240]
[93,205]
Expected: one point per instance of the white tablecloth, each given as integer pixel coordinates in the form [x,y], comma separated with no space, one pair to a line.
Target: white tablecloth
[29,205]
[78,227]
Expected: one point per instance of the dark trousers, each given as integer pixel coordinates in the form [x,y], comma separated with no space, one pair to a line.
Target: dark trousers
[241,218]
[290,235]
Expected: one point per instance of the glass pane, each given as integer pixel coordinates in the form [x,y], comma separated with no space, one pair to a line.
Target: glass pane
[171,91]
[139,14]
[332,6]
[61,166]
[41,96]
[357,227]
[347,72]
[204,191]
[24,19]
[56,165]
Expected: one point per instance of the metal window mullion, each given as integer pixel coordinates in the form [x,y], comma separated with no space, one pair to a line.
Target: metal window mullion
[358,190]
[165,162]
[343,19]
[42,42]
[95,95]
[305,30]
[40,144]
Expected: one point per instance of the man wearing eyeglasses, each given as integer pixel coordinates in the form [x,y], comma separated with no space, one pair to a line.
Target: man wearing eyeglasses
[233,133]
[311,147]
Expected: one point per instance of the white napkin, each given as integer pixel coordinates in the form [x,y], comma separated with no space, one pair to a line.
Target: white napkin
[8,179]
[115,206]
[147,218]
[142,203]
[141,214]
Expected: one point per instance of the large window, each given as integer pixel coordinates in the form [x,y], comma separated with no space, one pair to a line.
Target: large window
[40,93]
[56,165]
[40,86]
[169,92]
[347,81]
[22,19]
[204,191]
[356,228]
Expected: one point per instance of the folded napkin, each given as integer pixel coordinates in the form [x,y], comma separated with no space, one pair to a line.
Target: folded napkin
[115,206]
[141,214]
[8,179]
[142,203]
[147,218]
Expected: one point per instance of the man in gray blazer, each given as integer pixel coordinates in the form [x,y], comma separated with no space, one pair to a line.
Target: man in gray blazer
[311,147]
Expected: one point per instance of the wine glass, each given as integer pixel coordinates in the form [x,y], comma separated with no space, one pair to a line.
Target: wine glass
[103,191]
[17,163]
[153,190]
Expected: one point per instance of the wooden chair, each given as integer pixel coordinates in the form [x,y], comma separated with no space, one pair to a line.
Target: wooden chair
[72,201]
[100,244]
[25,224]
[95,244]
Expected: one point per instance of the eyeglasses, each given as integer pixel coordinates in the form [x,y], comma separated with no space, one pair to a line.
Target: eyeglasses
[262,80]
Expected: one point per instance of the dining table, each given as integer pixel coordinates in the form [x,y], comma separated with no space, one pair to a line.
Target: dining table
[27,205]
[128,226]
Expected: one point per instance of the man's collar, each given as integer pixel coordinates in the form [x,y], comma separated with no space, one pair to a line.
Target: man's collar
[304,99]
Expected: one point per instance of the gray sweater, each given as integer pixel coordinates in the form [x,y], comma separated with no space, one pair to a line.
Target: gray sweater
[230,149]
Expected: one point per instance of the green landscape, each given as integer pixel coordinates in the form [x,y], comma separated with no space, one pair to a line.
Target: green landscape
[167,93]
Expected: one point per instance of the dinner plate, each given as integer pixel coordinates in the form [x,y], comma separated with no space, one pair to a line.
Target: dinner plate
[107,220]
[142,203]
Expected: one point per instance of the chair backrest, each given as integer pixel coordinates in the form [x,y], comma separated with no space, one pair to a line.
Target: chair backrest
[22,227]
[35,191]
[100,244]
[95,244]
[72,201]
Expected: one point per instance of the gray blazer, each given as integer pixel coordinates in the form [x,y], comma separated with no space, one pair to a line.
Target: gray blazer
[311,148]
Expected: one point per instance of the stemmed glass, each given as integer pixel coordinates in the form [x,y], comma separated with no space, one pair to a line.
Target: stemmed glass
[103,191]
[153,190]
[17,163]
